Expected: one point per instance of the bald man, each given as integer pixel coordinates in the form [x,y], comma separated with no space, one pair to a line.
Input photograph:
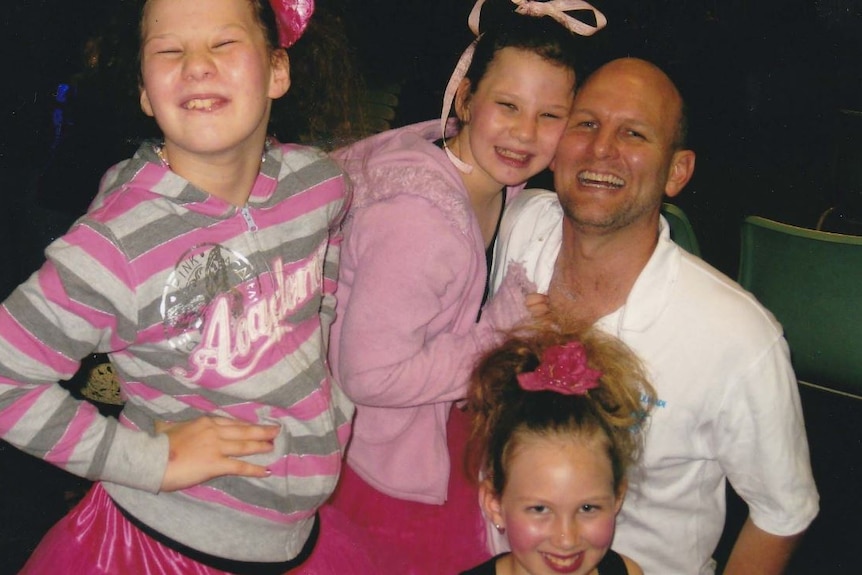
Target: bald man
[728,408]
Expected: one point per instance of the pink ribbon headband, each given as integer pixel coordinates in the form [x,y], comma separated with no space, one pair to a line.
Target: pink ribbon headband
[556,9]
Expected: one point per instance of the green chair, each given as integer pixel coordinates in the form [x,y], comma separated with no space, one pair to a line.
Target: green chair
[812,281]
[681,230]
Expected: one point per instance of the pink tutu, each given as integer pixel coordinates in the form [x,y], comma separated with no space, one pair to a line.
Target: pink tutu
[364,532]
[97,539]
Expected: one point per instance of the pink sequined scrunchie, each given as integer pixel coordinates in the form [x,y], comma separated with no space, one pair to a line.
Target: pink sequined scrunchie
[563,369]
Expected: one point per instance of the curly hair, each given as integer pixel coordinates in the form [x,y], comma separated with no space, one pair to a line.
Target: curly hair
[502,412]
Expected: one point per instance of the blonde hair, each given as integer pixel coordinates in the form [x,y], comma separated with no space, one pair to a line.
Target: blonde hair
[613,413]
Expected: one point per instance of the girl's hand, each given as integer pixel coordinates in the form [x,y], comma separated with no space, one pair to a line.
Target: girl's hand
[537,305]
[205,448]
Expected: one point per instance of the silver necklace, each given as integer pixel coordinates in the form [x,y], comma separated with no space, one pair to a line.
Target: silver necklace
[159,149]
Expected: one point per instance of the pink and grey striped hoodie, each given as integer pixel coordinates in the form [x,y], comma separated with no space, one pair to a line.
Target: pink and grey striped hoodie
[204,308]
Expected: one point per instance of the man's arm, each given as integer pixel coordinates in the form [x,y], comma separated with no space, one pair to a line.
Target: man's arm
[757,552]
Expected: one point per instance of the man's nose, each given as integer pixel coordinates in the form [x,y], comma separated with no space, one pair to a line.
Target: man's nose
[604,144]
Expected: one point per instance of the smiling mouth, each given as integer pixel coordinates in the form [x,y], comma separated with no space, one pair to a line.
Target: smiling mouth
[200,104]
[568,564]
[513,155]
[599,180]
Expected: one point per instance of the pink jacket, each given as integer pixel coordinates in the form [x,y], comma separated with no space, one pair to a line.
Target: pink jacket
[410,287]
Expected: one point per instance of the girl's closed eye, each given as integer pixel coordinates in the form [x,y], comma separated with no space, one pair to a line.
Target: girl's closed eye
[231,37]
[163,47]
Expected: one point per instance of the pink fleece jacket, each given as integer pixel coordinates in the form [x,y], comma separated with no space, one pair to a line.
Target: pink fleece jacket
[410,287]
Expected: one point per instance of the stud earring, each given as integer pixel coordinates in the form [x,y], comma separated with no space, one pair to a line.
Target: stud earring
[500,529]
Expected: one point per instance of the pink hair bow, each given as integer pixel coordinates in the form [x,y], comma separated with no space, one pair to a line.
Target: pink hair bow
[292,17]
[556,9]
[563,369]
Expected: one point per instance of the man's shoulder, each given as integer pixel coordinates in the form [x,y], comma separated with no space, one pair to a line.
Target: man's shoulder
[719,302]
[707,281]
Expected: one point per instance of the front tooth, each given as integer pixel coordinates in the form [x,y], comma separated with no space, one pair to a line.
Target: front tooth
[513,155]
[200,104]
[606,178]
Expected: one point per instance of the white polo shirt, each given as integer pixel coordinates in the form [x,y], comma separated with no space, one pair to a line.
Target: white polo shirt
[728,406]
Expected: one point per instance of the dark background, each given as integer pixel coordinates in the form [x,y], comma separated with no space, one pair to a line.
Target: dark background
[765,82]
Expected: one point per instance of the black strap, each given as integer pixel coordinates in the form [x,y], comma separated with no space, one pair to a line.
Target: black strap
[489,253]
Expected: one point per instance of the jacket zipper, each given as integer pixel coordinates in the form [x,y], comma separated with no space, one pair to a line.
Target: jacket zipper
[249,220]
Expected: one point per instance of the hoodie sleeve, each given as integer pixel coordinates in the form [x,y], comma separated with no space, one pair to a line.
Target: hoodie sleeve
[46,325]
[329,305]
[408,278]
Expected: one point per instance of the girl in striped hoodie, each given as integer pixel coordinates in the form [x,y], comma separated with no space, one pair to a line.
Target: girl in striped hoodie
[205,268]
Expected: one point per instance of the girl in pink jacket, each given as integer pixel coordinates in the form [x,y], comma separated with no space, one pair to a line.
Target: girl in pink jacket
[415,260]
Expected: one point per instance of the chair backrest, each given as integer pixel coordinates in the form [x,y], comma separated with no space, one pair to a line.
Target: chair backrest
[812,281]
[681,230]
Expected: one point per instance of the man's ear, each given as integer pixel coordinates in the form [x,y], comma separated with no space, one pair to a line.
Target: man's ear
[279,80]
[490,501]
[681,170]
[462,101]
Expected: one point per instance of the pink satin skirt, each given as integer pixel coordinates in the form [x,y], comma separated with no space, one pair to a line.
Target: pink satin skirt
[95,538]
[364,532]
